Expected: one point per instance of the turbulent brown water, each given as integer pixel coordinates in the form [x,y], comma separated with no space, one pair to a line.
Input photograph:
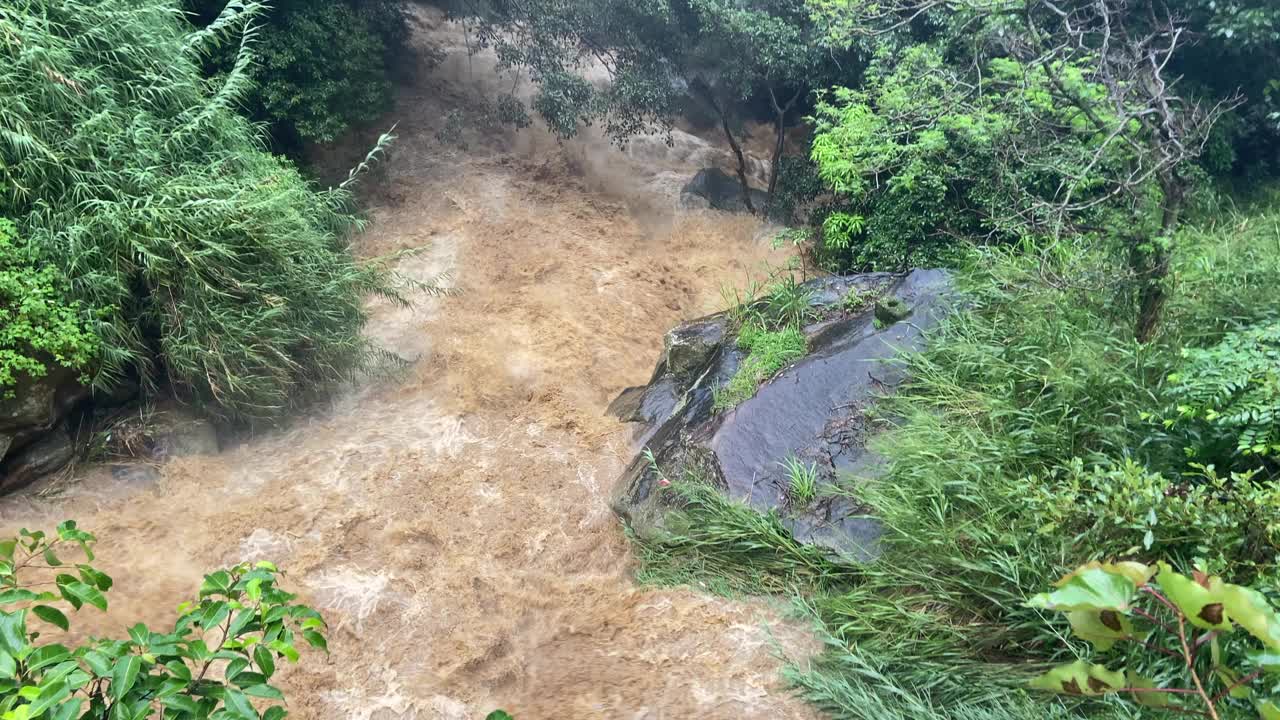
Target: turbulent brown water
[452,523]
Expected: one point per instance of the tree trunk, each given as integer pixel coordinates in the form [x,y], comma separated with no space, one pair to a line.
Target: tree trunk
[742,162]
[709,96]
[1152,267]
[780,126]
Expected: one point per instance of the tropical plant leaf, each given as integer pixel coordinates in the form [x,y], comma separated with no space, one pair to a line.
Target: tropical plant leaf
[1102,628]
[1201,602]
[1080,678]
[1089,588]
[1251,611]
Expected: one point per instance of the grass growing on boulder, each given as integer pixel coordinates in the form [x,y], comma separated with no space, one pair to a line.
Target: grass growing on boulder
[768,352]
[1027,441]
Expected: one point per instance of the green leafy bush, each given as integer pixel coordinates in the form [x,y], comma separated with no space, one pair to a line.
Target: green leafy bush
[209,264]
[322,66]
[326,66]
[216,662]
[919,161]
[1231,391]
[38,325]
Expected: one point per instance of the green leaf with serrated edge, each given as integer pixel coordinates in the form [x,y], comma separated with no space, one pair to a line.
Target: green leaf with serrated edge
[1102,628]
[52,615]
[266,663]
[1268,710]
[1250,610]
[1089,589]
[1080,678]
[1202,605]
[124,675]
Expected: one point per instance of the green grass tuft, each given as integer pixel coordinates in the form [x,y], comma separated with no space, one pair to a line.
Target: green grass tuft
[768,352]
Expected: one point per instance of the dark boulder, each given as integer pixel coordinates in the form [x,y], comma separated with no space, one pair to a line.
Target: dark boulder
[716,189]
[31,414]
[814,411]
[51,452]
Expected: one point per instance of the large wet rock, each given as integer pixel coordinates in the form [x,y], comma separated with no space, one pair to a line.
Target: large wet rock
[31,439]
[716,189]
[814,411]
[50,452]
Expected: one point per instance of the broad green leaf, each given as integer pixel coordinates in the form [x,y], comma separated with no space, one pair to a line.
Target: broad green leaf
[274,713]
[1089,588]
[68,710]
[217,583]
[1080,678]
[1102,628]
[48,655]
[50,695]
[238,705]
[124,675]
[264,691]
[181,702]
[6,549]
[77,592]
[1202,604]
[316,639]
[8,666]
[499,715]
[100,664]
[1250,609]
[52,615]
[179,669]
[95,577]
[266,663]
[235,667]
[13,633]
[52,559]
[1268,710]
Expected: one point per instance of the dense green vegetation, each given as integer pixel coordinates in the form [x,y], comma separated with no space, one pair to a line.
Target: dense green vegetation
[188,255]
[321,68]
[220,656]
[1029,440]
[38,325]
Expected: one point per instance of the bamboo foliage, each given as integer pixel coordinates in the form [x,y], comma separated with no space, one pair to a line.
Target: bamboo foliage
[202,260]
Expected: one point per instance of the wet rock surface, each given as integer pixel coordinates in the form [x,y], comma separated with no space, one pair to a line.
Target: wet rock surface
[716,189]
[814,411]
